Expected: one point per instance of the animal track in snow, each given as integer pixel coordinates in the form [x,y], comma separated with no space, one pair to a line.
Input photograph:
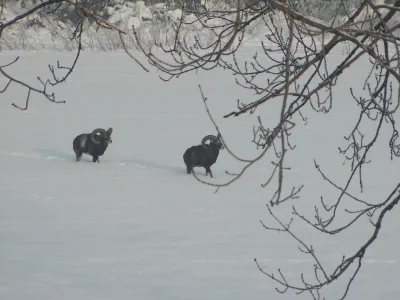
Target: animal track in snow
[196,209]
[42,197]
[32,156]
[380,261]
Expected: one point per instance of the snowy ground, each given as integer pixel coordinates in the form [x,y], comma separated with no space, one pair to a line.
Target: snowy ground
[136,226]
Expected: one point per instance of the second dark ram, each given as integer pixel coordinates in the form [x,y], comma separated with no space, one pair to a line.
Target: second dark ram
[204,155]
[94,144]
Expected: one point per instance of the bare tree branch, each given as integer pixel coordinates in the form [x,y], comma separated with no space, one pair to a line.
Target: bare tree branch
[294,68]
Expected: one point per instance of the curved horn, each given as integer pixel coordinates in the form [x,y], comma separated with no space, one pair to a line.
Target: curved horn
[109,131]
[94,132]
[208,137]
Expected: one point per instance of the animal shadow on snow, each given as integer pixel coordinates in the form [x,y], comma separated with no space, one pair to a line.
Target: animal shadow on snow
[55,154]
[155,165]
[143,163]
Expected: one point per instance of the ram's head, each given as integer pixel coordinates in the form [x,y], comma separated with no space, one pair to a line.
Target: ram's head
[213,139]
[101,134]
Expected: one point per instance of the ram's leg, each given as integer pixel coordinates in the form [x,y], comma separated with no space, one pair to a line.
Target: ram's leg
[189,166]
[78,154]
[189,169]
[95,159]
[208,171]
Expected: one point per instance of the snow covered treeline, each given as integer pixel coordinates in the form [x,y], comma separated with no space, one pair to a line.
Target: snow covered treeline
[153,20]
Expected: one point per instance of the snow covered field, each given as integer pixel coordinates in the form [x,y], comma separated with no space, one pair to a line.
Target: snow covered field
[136,226]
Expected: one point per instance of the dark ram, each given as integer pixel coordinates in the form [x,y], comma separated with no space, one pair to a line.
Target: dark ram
[94,144]
[204,155]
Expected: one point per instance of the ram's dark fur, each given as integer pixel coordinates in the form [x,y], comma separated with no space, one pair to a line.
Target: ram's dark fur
[204,155]
[92,144]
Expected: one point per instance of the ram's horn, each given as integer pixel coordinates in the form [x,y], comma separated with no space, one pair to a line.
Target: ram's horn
[94,133]
[208,137]
[109,131]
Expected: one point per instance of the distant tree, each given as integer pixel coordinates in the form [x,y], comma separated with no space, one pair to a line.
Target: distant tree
[301,79]
[77,13]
